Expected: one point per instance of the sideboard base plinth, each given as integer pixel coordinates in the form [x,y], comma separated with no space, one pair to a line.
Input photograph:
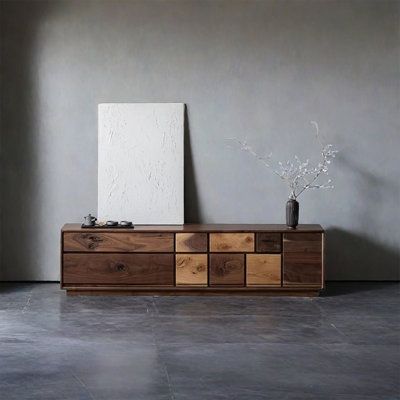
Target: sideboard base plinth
[110,291]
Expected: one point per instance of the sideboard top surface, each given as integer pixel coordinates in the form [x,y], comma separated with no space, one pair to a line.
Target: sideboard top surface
[202,228]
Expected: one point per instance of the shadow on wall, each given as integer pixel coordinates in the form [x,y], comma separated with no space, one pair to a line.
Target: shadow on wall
[354,256]
[350,256]
[191,200]
[20,198]
[373,189]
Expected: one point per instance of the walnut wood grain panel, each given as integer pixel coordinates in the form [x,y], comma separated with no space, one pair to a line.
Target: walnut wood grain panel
[268,242]
[302,259]
[230,242]
[204,228]
[191,242]
[116,269]
[263,269]
[226,269]
[191,269]
[118,242]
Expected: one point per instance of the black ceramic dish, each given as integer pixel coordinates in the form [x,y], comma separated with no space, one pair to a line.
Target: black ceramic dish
[126,224]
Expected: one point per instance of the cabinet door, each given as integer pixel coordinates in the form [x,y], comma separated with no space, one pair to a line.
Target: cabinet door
[302,259]
[191,269]
[226,269]
[263,269]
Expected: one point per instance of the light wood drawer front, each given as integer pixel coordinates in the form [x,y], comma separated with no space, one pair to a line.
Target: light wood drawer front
[302,259]
[231,242]
[114,269]
[119,242]
[263,269]
[226,269]
[191,269]
[268,242]
[191,242]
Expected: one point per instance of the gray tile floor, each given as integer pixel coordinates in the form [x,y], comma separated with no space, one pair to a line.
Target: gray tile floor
[341,346]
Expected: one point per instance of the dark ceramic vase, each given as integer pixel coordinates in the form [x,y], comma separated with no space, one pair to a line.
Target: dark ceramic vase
[292,213]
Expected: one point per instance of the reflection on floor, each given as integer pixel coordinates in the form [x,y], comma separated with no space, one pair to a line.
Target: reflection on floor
[344,345]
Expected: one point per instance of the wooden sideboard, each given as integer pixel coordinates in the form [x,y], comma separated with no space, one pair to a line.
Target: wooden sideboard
[193,259]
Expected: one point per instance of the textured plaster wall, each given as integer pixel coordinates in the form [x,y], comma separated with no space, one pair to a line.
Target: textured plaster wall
[261,69]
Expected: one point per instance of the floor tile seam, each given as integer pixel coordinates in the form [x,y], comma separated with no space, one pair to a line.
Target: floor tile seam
[326,317]
[239,316]
[355,357]
[245,343]
[320,392]
[333,321]
[359,304]
[170,386]
[75,315]
[27,303]
[314,392]
[395,364]
[154,317]
[83,385]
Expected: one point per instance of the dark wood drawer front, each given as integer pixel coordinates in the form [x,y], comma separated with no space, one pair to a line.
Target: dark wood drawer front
[302,259]
[119,242]
[226,269]
[113,269]
[268,242]
[191,242]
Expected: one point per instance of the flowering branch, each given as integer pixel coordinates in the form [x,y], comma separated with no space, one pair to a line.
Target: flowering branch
[298,175]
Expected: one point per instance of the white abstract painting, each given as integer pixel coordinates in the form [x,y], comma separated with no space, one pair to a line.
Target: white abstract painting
[140,162]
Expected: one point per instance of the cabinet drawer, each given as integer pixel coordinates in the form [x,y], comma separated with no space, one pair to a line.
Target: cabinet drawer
[228,242]
[118,242]
[268,242]
[115,269]
[302,259]
[226,269]
[263,269]
[191,242]
[191,269]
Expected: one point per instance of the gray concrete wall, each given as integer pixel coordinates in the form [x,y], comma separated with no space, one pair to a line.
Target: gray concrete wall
[261,69]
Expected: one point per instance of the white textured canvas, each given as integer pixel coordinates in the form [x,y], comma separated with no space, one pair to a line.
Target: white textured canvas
[140,164]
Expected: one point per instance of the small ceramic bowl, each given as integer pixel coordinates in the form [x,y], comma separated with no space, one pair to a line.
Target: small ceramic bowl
[125,223]
[112,223]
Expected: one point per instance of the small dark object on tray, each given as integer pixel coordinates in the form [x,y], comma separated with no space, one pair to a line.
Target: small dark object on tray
[125,223]
[112,223]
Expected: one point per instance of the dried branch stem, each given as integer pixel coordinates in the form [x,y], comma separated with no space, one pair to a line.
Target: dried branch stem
[298,175]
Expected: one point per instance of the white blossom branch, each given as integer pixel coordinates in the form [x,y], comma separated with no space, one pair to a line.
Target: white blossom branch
[298,175]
